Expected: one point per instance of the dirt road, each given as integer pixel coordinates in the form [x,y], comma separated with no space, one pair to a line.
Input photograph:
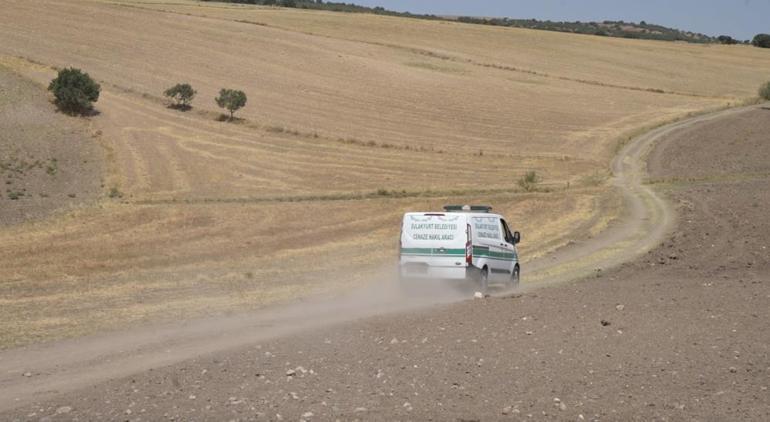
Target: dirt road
[667,327]
[647,216]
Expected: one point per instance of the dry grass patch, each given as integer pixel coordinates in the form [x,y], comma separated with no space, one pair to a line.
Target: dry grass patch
[102,269]
[638,64]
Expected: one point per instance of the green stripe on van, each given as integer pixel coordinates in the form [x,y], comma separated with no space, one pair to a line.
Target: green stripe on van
[432,252]
[477,252]
[502,256]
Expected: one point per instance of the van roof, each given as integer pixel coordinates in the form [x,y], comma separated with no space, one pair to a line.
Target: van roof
[443,213]
[468,208]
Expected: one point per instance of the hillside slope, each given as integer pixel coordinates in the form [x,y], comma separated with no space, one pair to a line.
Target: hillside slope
[48,162]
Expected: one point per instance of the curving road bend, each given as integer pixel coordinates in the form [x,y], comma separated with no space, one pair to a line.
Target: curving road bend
[646,220]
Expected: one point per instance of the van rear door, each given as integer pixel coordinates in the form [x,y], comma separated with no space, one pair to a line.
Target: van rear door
[434,244]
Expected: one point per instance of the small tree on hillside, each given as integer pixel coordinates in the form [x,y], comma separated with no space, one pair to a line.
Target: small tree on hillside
[74,91]
[181,94]
[231,99]
[764,91]
[761,40]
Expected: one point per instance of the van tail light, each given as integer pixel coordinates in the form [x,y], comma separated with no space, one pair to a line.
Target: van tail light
[468,246]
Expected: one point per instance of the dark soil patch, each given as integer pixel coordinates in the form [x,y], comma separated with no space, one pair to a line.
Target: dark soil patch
[720,148]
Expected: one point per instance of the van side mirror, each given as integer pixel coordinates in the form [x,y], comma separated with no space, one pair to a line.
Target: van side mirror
[516,238]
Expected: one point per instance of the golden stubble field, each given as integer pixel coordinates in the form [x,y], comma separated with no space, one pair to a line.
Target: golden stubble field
[352,120]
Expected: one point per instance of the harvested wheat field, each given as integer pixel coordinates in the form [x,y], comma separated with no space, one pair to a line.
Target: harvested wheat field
[351,120]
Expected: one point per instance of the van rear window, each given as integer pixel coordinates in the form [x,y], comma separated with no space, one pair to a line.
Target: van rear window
[487,227]
[434,227]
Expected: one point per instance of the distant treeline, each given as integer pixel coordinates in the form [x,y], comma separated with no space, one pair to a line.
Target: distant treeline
[619,29]
[329,5]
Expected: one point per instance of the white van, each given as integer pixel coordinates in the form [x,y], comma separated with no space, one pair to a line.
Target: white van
[462,243]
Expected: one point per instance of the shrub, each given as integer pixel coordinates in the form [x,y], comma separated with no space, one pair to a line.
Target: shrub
[761,40]
[181,94]
[74,91]
[231,100]
[115,193]
[764,91]
[726,39]
[529,181]
[53,167]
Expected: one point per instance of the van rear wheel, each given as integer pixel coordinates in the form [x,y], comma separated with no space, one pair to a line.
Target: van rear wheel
[484,280]
[515,277]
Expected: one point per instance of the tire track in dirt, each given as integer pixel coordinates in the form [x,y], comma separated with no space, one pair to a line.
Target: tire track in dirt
[73,364]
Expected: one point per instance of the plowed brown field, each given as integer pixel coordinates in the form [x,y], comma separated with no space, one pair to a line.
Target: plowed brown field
[352,119]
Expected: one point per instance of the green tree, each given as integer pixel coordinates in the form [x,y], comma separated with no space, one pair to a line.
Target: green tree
[231,99]
[181,94]
[761,40]
[74,91]
[764,91]
[726,39]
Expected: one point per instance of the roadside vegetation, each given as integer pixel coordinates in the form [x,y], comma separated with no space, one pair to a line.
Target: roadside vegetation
[74,91]
[529,181]
[764,91]
[181,96]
